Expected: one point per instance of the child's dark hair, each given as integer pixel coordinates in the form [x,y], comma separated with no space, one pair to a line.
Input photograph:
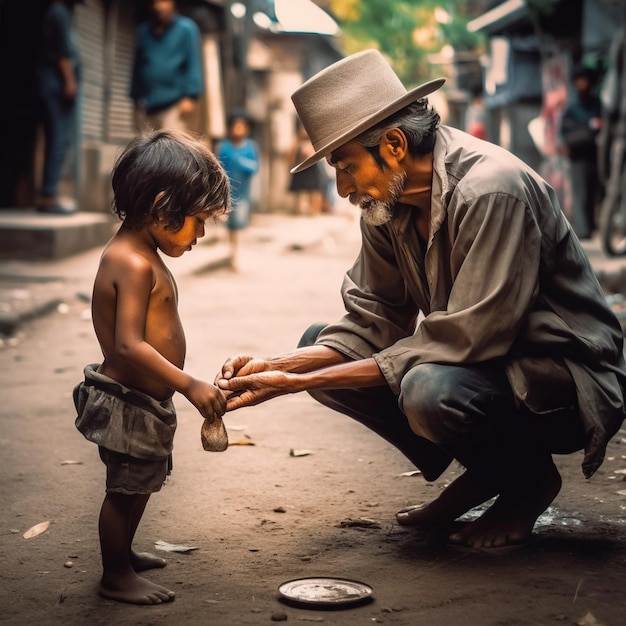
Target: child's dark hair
[175,163]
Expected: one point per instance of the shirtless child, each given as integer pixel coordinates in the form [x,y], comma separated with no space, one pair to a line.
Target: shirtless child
[166,185]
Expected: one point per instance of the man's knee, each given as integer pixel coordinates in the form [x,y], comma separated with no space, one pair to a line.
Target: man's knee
[310,335]
[439,400]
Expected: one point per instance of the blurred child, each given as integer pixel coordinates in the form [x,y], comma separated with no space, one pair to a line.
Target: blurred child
[166,185]
[240,157]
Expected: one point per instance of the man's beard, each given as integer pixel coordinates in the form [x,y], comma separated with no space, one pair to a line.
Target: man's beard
[379,212]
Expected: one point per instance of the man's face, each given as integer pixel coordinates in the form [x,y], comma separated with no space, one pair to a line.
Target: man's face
[361,178]
[163,10]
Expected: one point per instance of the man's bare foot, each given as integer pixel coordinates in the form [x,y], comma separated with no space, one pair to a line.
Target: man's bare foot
[463,494]
[134,589]
[142,561]
[510,520]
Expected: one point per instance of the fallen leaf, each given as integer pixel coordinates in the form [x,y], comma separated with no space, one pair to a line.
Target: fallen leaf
[411,473]
[70,462]
[361,522]
[621,492]
[37,529]
[622,471]
[293,452]
[164,546]
[241,442]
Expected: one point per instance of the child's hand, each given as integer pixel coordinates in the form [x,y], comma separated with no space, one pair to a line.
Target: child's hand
[207,398]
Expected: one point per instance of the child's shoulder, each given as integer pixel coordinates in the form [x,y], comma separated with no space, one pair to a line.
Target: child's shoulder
[122,255]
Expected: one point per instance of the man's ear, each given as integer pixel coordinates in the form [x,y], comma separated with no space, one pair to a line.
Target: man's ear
[394,144]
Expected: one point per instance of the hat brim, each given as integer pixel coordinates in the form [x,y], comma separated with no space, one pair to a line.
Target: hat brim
[355,130]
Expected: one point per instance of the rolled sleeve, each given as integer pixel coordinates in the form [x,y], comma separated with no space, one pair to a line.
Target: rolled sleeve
[380,310]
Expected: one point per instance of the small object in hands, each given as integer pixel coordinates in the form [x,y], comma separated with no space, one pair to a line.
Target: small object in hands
[214,436]
[325,593]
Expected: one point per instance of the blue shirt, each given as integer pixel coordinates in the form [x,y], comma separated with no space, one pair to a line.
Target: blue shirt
[59,41]
[166,66]
[240,162]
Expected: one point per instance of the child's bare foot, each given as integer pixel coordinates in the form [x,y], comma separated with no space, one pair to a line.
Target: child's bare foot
[142,561]
[466,492]
[510,520]
[134,589]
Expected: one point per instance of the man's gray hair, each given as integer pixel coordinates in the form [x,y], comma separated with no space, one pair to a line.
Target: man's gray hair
[418,121]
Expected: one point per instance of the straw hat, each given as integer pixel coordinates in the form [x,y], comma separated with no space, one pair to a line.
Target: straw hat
[350,96]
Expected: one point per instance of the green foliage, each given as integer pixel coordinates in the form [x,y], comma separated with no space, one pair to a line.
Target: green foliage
[407,31]
[455,33]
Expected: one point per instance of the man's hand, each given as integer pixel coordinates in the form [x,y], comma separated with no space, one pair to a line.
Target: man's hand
[242,365]
[66,69]
[207,398]
[250,388]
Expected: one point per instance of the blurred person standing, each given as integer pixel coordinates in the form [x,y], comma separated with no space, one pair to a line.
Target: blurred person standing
[311,185]
[580,125]
[475,123]
[239,156]
[167,75]
[58,78]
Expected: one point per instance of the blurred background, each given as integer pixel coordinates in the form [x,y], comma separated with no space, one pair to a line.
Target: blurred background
[508,67]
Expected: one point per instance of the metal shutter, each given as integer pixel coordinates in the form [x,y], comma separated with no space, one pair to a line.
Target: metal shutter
[120,47]
[89,23]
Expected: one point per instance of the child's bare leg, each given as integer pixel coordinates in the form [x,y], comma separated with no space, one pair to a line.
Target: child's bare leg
[142,561]
[233,238]
[510,520]
[463,494]
[119,580]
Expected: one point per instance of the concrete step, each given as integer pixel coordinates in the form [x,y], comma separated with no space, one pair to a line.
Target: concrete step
[29,235]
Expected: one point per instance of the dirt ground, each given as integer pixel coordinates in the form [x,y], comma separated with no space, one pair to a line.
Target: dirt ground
[259,516]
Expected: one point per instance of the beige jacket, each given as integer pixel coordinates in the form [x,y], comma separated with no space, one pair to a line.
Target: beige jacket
[502,277]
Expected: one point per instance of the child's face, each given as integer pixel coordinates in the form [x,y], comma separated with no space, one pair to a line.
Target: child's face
[239,129]
[176,243]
